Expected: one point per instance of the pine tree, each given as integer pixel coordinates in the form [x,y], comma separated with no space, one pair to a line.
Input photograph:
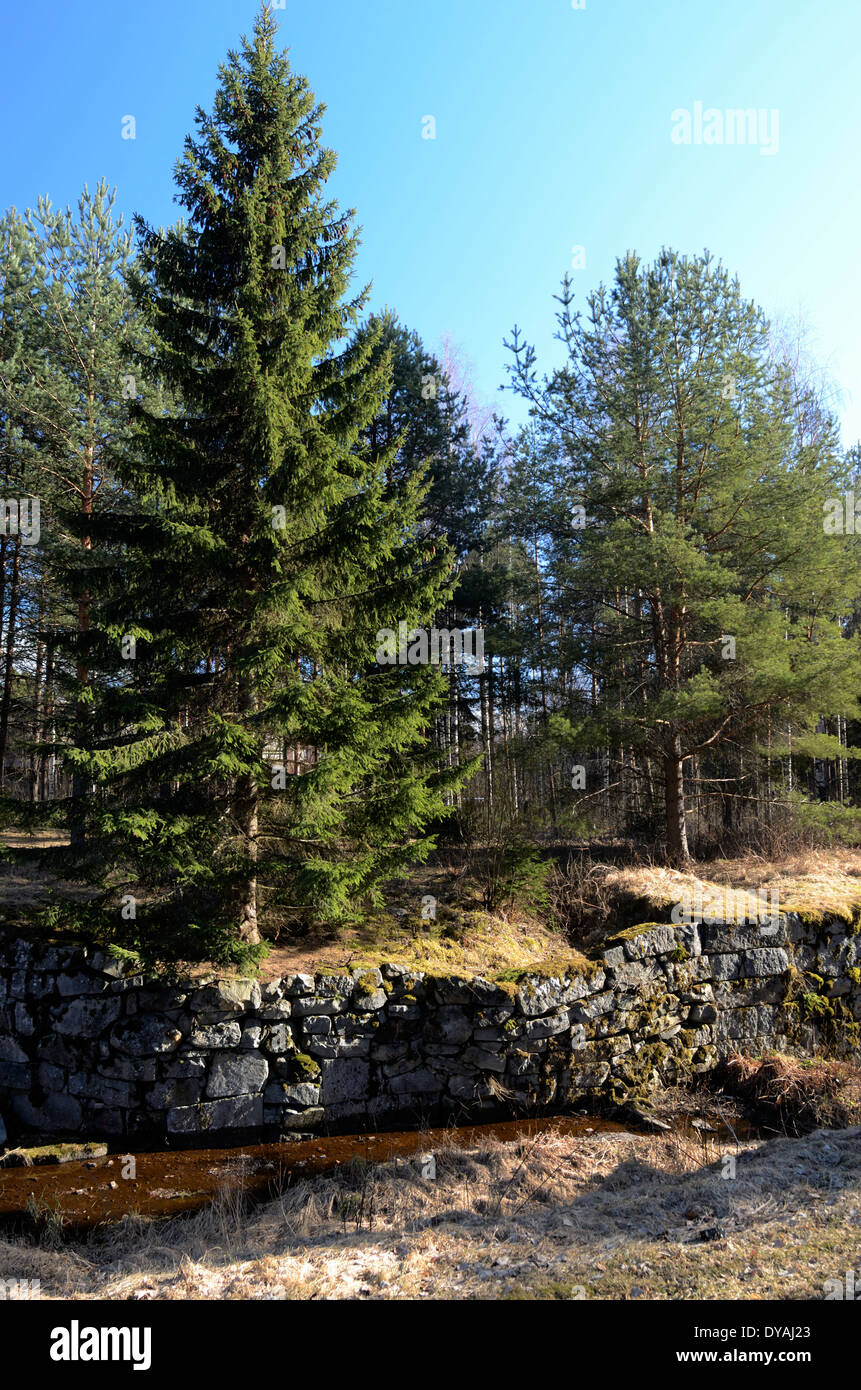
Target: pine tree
[62,383]
[271,547]
[705,600]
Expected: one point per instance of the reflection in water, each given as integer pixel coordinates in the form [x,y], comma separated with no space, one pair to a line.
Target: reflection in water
[165,1183]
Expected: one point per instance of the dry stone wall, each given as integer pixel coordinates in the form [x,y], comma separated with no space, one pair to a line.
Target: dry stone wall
[89,1049]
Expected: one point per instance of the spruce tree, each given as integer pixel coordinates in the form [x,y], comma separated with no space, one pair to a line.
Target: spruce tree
[271,547]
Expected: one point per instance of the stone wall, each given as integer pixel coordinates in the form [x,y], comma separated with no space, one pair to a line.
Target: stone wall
[88,1049]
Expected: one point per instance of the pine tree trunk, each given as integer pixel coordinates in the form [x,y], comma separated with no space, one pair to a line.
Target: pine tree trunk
[36,759]
[8,675]
[48,789]
[80,782]
[674,801]
[246,816]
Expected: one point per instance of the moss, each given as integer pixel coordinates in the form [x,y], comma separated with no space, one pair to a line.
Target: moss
[815,1007]
[631,933]
[56,1153]
[366,984]
[301,1067]
[553,968]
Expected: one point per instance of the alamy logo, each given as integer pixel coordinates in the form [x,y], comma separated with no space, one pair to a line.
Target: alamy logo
[20,1288]
[729,905]
[21,517]
[439,647]
[736,126]
[76,1343]
[842,515]
[846,1291]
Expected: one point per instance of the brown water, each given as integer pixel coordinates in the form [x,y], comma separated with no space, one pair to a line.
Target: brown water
[85,1193]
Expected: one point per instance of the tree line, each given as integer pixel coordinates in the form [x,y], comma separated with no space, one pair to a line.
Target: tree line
[242,476]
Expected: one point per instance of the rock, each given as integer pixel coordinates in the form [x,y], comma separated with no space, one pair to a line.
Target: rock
[546,1027]
[277,1009]
[87,1018]
[225,997]
[178,1091]
[82,1152]
[452,989]
[216,1035]
[721,937]
[237,1074]
[103,1091]
[657,941]
[11,1051]
[494,1016]
[468,1088]
[80,984]
[540,994]
[240,1112]
[318,1004]
[772,961]
[452,1024]
[282,1093]
[345,1079]
[147,1036]
[404,1011]
[726,967]
[702,1013]
[24,1025]
[484,1061]
[636,973]
[277,1039]
[389,1052]
[56,1115]
[298,984]
[419,1082]
[369,1003]
[289,1121]
[182,1066]
[2,1133]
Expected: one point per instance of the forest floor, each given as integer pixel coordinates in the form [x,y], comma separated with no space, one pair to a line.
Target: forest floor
[611,1216]
[593,897]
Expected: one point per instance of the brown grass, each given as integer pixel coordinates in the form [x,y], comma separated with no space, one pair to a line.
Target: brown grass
[819,882]
[800,1094]
[608,1216]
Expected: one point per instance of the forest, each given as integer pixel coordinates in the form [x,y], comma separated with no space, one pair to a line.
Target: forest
[227,482]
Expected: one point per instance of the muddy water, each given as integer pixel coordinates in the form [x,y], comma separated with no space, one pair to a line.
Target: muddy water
[85,1193]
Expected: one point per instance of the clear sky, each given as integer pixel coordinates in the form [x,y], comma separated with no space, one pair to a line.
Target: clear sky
[553,130]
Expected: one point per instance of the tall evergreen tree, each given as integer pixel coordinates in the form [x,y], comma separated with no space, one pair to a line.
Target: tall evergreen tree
[273,546]
[708,602]
[60,387]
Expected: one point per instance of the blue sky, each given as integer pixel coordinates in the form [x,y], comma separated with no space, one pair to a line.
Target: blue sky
[553,130]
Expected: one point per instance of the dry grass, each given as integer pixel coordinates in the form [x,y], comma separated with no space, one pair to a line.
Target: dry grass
[609,1216]
[818,882]
[460,942]
[799,1093]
